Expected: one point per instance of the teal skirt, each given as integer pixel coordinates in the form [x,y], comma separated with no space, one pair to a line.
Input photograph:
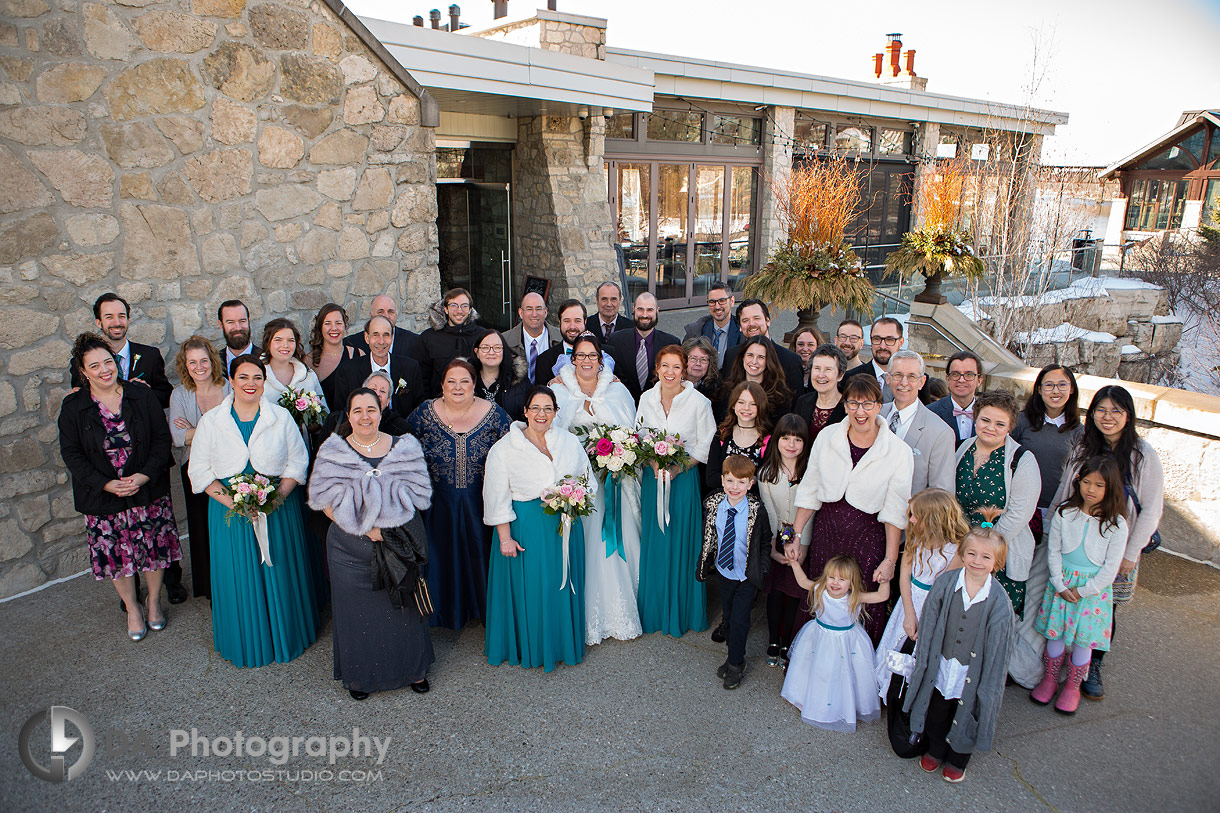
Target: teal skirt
[530,621]
[671,599]
[263,613]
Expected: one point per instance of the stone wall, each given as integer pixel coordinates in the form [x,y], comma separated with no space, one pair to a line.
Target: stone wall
[183,152]
[554,31]
[561,219]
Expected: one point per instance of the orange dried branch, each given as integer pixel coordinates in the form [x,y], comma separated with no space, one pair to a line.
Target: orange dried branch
[817,201]
[943,194]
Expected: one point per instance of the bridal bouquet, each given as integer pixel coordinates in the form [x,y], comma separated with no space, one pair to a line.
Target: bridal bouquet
[613,450]
[570,498]
[305,407]
[254,497]
[666,450]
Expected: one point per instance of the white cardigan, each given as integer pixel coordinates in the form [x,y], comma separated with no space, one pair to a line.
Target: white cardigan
[879,484]
[611,401]
[1022,490]
[302,378]
[775,500]
[517,470]
[690,417]
[1072,528]
[218,451]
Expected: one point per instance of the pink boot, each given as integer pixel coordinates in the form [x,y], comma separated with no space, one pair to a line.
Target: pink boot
[1045,690]
[1069,697]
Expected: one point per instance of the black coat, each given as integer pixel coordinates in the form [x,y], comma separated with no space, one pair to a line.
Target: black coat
[406,343]
[806,404]
[794,368]
[758,549]
[352,372]
[439,346]
[594,325]
[81,438]
[148,367]
[621,348]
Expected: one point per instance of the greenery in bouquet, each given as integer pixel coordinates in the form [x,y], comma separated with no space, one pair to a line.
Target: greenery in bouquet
[613,451]
[665,449]
[570,497]
[252,494]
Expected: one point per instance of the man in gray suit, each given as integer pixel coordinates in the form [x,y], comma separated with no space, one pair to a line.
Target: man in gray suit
[927,435]
[532,336]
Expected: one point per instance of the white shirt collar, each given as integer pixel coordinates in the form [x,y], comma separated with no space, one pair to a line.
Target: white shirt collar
[878,370]
[375,367]
[984,591]
[907,413]
[969,406]
[1058,420]
[231,355]
[539,338]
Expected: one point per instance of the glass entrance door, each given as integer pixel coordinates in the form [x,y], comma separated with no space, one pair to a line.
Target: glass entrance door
[474,230]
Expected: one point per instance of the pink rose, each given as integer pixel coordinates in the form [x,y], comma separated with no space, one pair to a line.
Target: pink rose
[243,488]
[661,448]
[302,404]
[605,446]
[566,489]
[578,494]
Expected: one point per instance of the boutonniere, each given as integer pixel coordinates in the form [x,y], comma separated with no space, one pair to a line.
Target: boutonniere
[135,360]
[402,385]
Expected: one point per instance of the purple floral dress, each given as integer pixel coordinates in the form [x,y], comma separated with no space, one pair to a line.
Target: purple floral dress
[140,538]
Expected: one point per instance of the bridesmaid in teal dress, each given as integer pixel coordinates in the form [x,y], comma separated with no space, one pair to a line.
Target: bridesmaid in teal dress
[262,611]
[535,587]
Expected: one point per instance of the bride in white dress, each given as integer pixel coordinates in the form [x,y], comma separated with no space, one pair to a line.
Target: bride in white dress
[588,394]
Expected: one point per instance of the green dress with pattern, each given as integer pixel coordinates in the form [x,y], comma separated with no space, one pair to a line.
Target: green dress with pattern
[983,488]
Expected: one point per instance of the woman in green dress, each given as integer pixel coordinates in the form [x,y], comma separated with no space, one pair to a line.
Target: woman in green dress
[264,602]
[535,585]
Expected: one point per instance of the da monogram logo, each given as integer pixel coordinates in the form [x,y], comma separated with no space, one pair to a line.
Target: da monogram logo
[59,716]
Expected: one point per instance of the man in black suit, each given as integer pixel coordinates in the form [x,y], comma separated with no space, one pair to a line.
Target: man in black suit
[754,317]
[572,320]
[635,351]
[886,339]
[607,320]
[141,363]
[403,370]
[718,326]
[405,343]
[234,319]
[964,371]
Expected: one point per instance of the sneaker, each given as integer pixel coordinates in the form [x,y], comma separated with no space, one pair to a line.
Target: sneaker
[929,763]
[733,675]
[773,655]
[952,774]
[722,670]
[1091,687]
[718,633]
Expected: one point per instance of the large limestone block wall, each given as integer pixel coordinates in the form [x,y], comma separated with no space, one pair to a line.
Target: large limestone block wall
[184,152]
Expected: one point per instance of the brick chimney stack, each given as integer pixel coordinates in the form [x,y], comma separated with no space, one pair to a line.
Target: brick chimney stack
[895,73]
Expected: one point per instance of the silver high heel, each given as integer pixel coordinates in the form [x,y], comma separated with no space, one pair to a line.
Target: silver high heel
[162,624]
[139,636]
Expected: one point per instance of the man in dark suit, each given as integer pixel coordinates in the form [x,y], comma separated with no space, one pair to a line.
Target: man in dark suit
[964,372]
[234,319]
[140,363]
[572,320]
[886,339]
[607,320]
[718,326]
[405,342]
[930,440]
[403,370]
[755,319]
[532,336]
[635,351]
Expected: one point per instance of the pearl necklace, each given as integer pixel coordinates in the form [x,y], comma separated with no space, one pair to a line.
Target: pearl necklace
[368,449]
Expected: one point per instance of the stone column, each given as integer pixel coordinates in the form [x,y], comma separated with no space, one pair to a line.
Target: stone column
[776,169]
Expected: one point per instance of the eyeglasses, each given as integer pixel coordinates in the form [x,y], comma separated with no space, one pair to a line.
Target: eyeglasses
[888,341]
[585,356]
[854,406]
[1102,412]
[900,377]
[458,306]
[719,300]
[540,410]
[1056,385]
[845,337]
[490,349]
[960,376]
[536,309]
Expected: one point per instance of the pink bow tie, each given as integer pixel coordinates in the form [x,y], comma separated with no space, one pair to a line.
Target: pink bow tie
[968,412]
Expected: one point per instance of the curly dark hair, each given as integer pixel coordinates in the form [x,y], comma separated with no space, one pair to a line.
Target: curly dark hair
[85,343]
[998,399]
[315,333]
[774,383]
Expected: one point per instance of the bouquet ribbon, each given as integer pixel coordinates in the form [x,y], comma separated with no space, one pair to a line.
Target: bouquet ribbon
[259,521]
[565,529]
[612,531]
[663,485]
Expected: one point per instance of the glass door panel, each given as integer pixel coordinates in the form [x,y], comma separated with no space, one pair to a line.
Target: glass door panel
[740,235]
[673,212]
[634,191]
[473,228]
[709,227]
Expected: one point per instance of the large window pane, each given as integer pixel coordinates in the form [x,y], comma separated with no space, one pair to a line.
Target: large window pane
[1182,155]
[1213,152]
[634,193]
[853,139]
[810,134]
[737,130]
[675,125]
[741,210]
[709,226]
[893,142]
[621,126]
[1155,205]
[673,200]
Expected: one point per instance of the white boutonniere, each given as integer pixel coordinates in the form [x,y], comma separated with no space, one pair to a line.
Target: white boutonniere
[402,385]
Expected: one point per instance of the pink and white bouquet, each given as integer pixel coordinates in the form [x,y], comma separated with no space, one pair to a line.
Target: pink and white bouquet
[569,497]
[665,449]
[613,450]
[305,406]
[252,494]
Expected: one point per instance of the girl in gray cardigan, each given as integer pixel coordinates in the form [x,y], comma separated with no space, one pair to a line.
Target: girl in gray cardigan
[961,659]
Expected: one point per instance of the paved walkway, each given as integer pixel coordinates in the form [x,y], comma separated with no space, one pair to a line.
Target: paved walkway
[642,724]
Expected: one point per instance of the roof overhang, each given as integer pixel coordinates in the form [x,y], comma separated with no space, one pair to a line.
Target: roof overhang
[470,75]
[743,84]
[1169,138]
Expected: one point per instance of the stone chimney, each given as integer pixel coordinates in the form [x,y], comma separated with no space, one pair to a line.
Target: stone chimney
[890,68]
[552,31]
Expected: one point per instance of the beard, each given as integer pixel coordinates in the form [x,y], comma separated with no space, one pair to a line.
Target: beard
[645,323]
[237,340]
[883,356]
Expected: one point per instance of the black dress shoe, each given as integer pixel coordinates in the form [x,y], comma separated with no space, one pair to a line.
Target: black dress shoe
[723,670]
[718,633]
[421,687]
[357,695]
[176,593]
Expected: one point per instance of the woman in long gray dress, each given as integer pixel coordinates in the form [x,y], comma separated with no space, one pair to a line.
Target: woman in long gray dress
[366,481]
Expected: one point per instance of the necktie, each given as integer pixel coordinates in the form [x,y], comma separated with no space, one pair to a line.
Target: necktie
[895,420]
[124,368]
[881,380]
[533,357]
[641,363]
[720,346]
[607,329]
[728,541]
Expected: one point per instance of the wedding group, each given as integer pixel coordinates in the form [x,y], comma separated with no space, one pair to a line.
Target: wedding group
[587,476]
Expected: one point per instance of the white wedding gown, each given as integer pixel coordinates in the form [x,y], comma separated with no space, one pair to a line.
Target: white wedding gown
[611,582]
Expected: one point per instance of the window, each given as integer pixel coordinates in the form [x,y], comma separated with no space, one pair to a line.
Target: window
[1211,203]
[1214,152]
[893,142]
[1155,205]
[621,126]
[853,139]
[810,133]
[947,147]
[675,125]
[736,130]
[1183,155]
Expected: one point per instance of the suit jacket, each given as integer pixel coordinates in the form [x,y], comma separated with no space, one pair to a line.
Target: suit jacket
[351,373]
[594,325]
[794,370]
[514,337]
[758,548]
[944,410]
[932,444]
[622,349]
[147,366]
[704,326]
[887,395]
[406,343]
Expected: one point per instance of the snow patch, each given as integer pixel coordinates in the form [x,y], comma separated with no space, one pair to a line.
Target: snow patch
[1130,349]
[1065,332]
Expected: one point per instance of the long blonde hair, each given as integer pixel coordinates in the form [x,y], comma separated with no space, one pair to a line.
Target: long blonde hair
[843,567]
[938,521]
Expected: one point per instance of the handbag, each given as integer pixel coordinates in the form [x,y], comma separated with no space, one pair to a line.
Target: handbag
[905,743]
[397,565]
[1154,541]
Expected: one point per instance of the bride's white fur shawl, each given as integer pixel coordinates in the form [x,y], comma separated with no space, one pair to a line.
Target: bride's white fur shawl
[362,497]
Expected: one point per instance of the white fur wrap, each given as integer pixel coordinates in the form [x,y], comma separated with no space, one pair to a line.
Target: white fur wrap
[361,497]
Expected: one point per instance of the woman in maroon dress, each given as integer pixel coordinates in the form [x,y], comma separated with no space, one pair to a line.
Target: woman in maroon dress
[856,488]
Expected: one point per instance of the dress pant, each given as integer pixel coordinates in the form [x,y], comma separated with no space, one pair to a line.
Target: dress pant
[197,527]
[736,602]
[937,725]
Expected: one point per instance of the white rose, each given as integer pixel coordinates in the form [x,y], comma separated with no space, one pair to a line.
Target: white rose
[618,435]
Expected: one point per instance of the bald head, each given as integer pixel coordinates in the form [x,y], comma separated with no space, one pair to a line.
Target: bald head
[645,313]
[384,306]
[532,313]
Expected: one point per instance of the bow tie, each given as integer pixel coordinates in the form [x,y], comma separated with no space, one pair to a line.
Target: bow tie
[968,412]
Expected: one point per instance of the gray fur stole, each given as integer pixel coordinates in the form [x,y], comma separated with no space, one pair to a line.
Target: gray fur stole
[363,498]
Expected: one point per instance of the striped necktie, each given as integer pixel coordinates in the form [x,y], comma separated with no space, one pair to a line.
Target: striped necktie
[533,357]
[895,421]
[641,363]
[728,541]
